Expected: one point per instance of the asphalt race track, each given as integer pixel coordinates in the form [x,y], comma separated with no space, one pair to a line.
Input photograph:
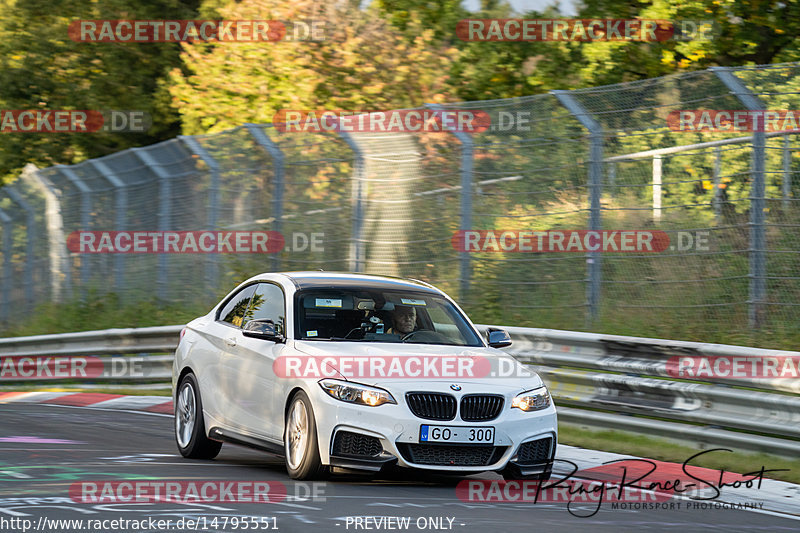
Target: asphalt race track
[46,449]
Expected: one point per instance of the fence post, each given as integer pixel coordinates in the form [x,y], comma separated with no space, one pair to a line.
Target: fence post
[164,213]
[593,259]
[465,223]
[30,240]
[59,263]
[757,249]
[612,178]
[278,169]
[717,190]
[786,186]
[657,187]
[212,266]
[86,213]
[5,299]
[357,252]
[120,222]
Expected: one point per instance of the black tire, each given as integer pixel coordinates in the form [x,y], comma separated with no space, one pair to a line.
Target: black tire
[300,435]
[190,428]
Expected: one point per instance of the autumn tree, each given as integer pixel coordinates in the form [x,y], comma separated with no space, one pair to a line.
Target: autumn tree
[363,63]
[42,68]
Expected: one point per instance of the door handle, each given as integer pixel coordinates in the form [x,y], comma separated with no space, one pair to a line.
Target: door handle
[230,341]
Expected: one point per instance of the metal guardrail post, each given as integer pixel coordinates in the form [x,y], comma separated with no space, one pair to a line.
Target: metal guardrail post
[212,265]
[357,252]
[120,222]
[59,263]
[593,259]
[30,241]
[5,296]
[164,213]
[85,216]
[757,198]
[278,169]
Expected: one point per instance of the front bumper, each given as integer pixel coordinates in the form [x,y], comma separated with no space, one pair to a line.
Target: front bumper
[398,429]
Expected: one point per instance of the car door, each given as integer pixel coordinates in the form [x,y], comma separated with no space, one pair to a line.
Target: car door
[225,334]
[253,361]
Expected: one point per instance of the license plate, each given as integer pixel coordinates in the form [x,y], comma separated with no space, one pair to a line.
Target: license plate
[474,435]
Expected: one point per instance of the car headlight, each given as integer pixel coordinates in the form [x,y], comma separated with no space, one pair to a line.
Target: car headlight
[347,391]
[532,400]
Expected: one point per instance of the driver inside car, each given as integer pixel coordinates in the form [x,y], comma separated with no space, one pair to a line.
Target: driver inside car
[404,320]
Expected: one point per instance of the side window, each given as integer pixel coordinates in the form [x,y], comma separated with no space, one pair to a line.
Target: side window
[268,304]
[234,311]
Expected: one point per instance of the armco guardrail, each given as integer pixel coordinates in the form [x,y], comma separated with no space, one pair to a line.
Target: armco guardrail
[597,380]
[159,339]
[115,346]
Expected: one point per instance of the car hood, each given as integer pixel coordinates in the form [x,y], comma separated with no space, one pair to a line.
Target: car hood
[497,369]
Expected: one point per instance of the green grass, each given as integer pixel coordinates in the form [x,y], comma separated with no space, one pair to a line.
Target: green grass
[664,450]
[107,311]
[160,391]
[101,312]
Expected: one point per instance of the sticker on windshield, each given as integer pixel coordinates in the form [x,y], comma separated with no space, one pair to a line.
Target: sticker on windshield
[412,301]
[329,302]
[312,333]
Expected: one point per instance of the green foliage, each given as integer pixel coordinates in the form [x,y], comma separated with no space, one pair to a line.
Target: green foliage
[101,311]
[363,64]
[44,69]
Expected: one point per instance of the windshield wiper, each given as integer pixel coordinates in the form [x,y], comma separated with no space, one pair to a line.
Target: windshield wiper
[331,339]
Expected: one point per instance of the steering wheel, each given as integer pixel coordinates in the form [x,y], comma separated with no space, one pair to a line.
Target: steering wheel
[409,335]
[427,336]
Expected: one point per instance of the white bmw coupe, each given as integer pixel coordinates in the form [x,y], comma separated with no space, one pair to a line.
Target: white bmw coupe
[358,372]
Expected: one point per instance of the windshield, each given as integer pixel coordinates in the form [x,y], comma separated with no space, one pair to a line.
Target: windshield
[369,315]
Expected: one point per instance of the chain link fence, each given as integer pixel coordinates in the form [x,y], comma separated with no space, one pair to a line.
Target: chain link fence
[390,203]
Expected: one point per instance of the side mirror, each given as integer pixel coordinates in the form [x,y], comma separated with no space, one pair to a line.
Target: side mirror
[262,329]
[498,338]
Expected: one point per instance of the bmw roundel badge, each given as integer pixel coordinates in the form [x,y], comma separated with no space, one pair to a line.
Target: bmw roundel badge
[455,387]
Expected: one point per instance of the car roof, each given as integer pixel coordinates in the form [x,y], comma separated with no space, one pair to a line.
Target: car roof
[320,280]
